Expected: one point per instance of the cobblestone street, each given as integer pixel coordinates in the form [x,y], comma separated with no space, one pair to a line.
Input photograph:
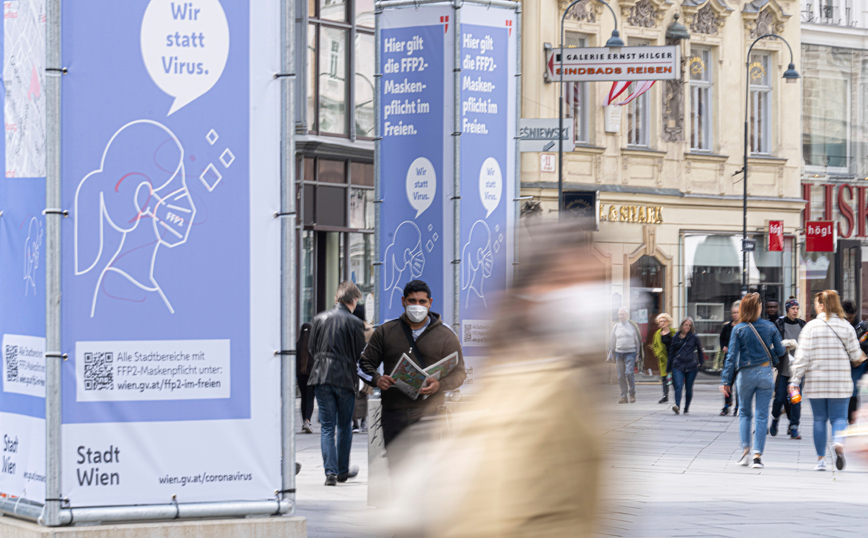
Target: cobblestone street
[666,475]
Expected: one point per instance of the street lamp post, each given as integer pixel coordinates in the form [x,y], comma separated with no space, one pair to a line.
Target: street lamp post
[790,75]
[614,42]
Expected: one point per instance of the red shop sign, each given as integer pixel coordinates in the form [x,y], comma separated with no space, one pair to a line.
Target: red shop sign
[820,236]
[776,236]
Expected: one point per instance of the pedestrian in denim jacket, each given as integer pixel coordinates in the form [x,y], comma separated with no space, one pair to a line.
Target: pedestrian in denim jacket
[754,348]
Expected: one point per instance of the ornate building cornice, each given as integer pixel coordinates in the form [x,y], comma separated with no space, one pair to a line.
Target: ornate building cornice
[705,16]
[763,17]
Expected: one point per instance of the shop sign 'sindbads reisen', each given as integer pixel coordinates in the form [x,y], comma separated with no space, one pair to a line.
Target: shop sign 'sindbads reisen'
[602,64]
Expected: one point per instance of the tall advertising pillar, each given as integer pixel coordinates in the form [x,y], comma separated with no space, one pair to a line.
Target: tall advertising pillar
[171,252]
[423,106]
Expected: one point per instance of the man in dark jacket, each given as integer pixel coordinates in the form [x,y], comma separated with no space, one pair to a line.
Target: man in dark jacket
[790,326]
[725,334]
[303,364]
[337,339]
[420,334]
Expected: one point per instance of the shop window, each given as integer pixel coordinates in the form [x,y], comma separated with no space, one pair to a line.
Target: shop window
[827,105]
[647,300]
[760,104]
[700,67]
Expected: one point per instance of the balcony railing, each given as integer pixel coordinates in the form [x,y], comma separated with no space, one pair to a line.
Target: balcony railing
[829,13]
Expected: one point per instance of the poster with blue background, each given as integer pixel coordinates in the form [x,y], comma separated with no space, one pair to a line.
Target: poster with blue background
[22,252]
[487,172]
[165,237]
[415,171]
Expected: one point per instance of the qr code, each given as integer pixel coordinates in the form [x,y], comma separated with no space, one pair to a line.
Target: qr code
[11,363]
[98,371]
[468,332]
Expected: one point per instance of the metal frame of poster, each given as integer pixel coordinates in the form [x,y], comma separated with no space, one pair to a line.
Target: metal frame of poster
[431,216]
[162,399]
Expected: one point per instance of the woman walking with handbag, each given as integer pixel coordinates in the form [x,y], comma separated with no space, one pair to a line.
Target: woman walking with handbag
[754,348]
[685,357]
[827,346]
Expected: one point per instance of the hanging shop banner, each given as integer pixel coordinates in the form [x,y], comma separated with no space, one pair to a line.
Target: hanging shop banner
[171,253]
[626,63]
[22,248]
[415,155]
[776,236]
[488,49]
[820,236]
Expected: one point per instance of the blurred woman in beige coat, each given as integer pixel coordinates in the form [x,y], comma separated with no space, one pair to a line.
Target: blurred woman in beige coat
[524,456]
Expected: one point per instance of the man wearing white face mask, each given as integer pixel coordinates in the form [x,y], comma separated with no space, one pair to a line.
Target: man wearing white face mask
[422,335]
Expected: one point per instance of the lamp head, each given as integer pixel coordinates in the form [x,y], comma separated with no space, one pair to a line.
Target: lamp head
[791,75]
[615,42]
[677,31]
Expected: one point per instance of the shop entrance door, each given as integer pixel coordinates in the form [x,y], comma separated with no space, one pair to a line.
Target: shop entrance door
[647,301]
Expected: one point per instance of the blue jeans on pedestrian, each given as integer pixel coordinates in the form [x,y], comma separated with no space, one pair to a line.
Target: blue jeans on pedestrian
[626,363]
[794,411]
[825,410]
[755,381]
[335,413]
[683,380]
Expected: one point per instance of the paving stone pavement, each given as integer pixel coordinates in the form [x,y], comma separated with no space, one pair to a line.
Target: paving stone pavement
[676,475]
[665,475]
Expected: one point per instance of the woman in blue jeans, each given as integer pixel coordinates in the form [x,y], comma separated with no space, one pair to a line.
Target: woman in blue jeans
[827,346]
[754,348]
[685,357]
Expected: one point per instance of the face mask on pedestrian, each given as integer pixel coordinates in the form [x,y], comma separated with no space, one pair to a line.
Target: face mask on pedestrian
[416,313]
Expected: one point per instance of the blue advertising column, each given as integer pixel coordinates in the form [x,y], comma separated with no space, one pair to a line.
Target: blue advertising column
[415,155]
[171,254]
[487,107]
[22,248]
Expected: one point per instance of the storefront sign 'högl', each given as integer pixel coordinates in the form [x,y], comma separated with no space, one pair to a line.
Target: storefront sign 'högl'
[820,236]
[776,236]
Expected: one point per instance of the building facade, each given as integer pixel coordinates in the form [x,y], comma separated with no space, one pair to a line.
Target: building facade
[668,171]
[835,142]
[334,150]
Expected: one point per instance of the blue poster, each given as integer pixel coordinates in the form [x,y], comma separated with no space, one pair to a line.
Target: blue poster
[413,177]
[22,251]
[487,172]
[156,248]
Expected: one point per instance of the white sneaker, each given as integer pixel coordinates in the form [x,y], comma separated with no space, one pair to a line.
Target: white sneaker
[757,463]
[745,460]
[821,465]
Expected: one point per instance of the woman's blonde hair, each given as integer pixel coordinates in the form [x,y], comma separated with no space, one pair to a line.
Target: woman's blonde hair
[831,303]
[667,317]
[750,308]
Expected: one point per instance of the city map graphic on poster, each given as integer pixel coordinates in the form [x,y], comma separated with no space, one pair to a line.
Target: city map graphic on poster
[171,383]
[22,253]
[415,173]
[487,172]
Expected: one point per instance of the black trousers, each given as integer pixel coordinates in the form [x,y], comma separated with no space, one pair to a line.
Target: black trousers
[307,396]
[396,421]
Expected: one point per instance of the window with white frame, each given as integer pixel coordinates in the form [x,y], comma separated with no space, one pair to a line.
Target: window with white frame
[638,111]
[700,69]
[760,112]
[576,97]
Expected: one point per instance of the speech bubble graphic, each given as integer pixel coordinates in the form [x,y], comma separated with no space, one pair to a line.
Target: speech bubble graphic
[421,185]
[185,46]
[490,185]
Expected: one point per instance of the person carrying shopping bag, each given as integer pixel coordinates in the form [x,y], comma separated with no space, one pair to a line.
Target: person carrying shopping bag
[827,347]
[754,348]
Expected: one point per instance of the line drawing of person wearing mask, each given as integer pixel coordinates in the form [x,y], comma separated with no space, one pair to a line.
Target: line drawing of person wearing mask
[140,192]
[478,261]
[404,259]
[31,254]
